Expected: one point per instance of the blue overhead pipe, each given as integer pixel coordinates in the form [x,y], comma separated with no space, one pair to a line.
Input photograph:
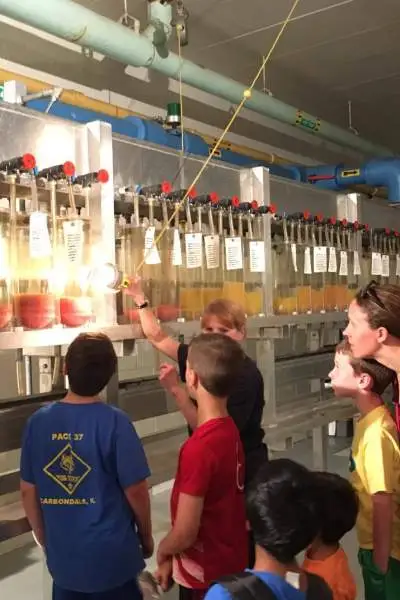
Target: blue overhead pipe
[154,133]
[383,172]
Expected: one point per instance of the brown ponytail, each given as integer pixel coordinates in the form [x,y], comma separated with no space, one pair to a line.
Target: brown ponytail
[381,303]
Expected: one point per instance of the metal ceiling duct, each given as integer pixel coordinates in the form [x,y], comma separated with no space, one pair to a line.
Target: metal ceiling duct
[75,23]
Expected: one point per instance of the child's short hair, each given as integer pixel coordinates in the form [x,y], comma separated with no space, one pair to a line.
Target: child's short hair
[90,363]
[281,507]
[218,361]
[337,507]
[381,376]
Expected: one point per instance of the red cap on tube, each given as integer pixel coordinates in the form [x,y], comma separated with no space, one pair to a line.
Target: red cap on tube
[69,169]
[166,187]
[28,161]
[235,201]
[192,192]
[103,176]
[214,198]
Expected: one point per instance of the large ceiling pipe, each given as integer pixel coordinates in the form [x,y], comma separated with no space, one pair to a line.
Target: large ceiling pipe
[75,23]
[375,173]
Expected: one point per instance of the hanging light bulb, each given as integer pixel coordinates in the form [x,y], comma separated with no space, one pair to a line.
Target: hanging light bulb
[107,276]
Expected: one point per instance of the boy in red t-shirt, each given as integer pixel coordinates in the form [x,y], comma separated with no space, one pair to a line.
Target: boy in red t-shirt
[208,539]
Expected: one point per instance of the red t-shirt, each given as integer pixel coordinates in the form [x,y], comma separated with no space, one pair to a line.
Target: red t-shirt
[211,466]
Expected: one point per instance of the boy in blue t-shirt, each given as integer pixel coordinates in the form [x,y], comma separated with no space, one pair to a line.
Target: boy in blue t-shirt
[83,483]
[282,513]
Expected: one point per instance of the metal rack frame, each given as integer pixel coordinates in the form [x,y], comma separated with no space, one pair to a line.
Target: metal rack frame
[93,147]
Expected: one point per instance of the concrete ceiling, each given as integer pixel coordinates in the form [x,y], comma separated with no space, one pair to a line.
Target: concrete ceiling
[333,51]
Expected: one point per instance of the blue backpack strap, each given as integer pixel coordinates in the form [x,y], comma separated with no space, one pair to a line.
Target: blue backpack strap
[246,586]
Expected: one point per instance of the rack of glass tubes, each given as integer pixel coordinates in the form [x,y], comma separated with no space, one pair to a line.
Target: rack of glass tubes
[212,248]
[216,248]
[46,244]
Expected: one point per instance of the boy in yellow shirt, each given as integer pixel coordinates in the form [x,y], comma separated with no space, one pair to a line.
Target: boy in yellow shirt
[375,471]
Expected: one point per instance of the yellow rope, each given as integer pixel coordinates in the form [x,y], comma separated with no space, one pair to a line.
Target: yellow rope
[246,96]
[179,31]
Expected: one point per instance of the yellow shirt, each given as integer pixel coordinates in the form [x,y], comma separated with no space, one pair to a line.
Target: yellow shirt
[375,467]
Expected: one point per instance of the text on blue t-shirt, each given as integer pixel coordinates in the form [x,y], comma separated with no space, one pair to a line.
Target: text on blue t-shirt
[81,458]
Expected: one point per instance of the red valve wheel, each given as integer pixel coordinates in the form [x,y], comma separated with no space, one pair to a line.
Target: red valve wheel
[254,205]
[272,208]
[235,201]
[344,222]
[319,217]
[332,220]
[166,187]
[214,198]
[28,161]
[103,176]
[69,169]
[192,192]
[306,214]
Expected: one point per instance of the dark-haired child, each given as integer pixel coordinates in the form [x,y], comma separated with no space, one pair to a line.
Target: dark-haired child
[282,511]
[337,508]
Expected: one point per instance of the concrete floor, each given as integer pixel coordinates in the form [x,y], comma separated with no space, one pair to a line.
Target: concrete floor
[22,575]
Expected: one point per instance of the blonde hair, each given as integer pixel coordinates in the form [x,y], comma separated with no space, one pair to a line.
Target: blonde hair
[230,314]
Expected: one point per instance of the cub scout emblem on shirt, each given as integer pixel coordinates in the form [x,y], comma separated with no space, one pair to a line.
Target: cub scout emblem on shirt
[67,469]
[352,464]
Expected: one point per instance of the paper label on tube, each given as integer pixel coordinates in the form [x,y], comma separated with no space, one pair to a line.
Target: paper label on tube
[332,266]
[194,250]
[73,240]
[307,261]
[376,263]
[398,265]
[320,259]
[356,263]
[257,256]
[293,248]
[344,265]
[4,271]
[385,265]
[233,253]
[176,249]
[39,238]
[211,246]
[151,254]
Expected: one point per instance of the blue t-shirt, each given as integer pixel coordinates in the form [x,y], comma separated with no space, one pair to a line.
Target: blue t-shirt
[277,585]
[81,458]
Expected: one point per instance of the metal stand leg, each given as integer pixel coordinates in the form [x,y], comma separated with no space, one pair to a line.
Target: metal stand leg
[320,448]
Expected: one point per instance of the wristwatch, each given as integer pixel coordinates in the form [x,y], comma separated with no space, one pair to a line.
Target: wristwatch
[144,304]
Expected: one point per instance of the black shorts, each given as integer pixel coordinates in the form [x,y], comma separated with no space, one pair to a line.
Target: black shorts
[191,594]
[128,591]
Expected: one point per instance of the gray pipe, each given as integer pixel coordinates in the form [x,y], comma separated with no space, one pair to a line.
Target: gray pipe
[75,23]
